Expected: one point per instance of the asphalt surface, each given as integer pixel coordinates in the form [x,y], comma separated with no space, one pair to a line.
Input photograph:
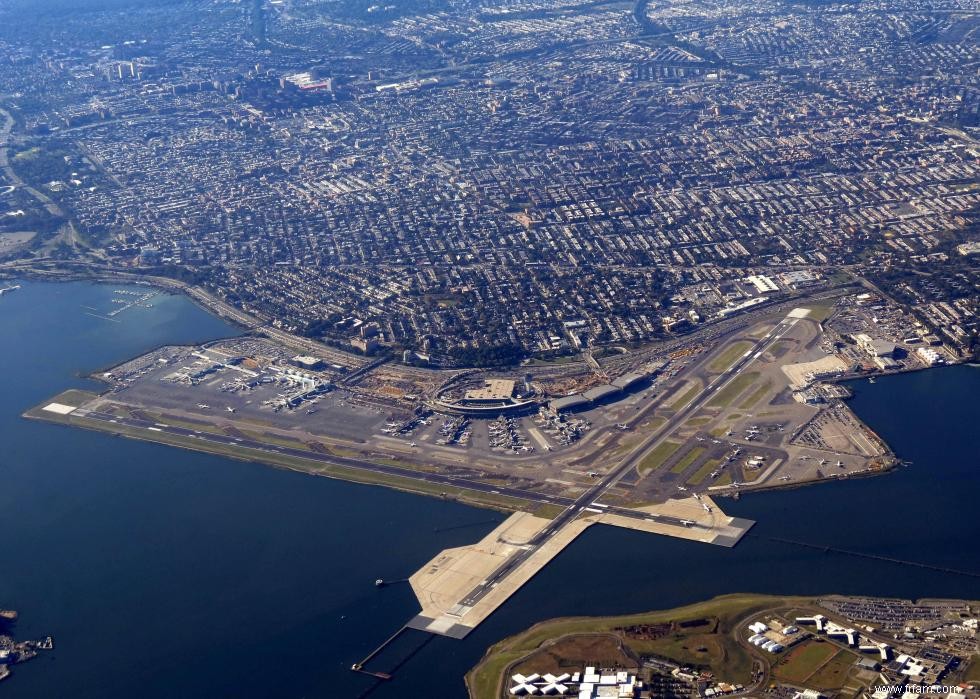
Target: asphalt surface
[573,507]
[591,496]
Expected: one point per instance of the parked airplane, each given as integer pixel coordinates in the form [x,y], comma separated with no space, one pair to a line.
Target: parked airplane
[230,409]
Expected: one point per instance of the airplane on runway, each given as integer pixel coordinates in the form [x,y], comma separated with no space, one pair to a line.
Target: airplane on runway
[230,409]
[687,522]
[203,406]
[623,426]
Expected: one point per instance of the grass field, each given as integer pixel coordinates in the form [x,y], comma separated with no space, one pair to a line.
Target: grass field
[728,356]
[685,398]
[973,671]
[715,651]
[756,395]
[656,458]
[602,650]
[834,673]
[724,656]
[654,423]
[750,474]
[802,661]
[702,473]
[72,396]
[819,312]
[689,458]
[729,393]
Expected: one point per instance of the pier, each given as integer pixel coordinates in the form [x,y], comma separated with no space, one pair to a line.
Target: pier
[460,587]
[361,666]
[138,299]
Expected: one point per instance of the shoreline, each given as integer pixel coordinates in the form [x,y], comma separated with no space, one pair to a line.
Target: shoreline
[352,473]
[487,678]
[252,323]
[322,468]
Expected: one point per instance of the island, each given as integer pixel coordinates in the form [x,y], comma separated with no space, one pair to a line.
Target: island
[745,645]
[12,651]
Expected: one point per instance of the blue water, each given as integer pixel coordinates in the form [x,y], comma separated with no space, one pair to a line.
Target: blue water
[167,573]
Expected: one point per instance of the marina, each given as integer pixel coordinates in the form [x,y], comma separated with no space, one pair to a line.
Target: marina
[130,299]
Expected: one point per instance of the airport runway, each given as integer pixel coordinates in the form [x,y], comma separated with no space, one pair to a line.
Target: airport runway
[590,497]
[587,501]
[332,460]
